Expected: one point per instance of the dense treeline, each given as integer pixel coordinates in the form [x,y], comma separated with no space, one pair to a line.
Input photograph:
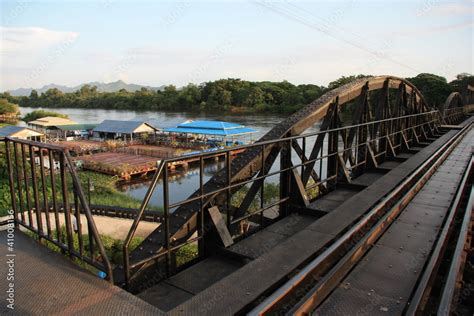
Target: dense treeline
[231,95]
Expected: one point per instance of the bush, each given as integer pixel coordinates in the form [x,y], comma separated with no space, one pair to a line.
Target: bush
[37,114]
[7,108]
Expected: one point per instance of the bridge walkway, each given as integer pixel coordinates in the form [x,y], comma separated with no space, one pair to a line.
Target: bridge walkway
[272,263]
[47,283]
[388,274]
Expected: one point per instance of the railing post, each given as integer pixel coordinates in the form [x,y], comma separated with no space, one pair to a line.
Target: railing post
[167,219]
[10,179]
[228,191]
[333,136]
[285,176]
[201,222]
[67,211]
[19,186]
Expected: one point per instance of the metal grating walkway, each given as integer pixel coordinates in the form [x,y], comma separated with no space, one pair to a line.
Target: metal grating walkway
[47,283]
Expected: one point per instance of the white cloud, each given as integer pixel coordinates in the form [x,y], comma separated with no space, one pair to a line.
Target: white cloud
[31,51]
[435,29]
[27,40]
[446,9]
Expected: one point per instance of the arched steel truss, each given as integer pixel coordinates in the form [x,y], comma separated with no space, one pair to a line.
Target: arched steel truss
[342,150]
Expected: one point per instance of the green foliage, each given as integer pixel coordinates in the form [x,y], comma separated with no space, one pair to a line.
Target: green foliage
[41,113]
[106,193]
[8,108]
[113,247]
[221,95]
[234,95]
[5,201]
[186,253]
[461,82]
[434,88]
[271,193]
[345,80]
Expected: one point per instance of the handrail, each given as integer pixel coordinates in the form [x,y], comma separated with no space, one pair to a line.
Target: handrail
[38,177]
[289,138]
[432,117]
[90,219]
[136,221]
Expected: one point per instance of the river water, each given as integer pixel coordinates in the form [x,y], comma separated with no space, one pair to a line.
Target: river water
[183,182]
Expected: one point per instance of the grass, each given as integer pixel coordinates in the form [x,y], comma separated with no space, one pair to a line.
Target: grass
[113,248]
[105,190]
[106,193]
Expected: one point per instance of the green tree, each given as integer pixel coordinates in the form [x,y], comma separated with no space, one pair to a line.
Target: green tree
[37,114]
[8,108]
[461,82]
[344,80]
[34,95]
[434,88]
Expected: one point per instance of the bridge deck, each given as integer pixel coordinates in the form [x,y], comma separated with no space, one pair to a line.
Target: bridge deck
[235,292]
[385,278]
[47,283]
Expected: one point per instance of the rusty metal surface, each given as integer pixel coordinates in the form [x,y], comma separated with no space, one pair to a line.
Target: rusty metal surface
[248,164]
[332,200]
[47,283]
[249,282]
[391,268]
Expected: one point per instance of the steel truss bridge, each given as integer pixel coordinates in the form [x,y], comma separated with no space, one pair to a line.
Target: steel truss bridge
[373,215]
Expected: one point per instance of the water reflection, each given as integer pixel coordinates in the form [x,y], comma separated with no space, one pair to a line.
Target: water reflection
[183,182]
[181,185]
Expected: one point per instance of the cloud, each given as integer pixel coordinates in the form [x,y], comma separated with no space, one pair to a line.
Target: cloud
[446,9]
[27,53]
[26,40]
[436,29]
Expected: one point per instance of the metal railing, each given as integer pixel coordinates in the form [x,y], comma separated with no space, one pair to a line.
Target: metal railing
[48,200]
[336,159]
[454,115]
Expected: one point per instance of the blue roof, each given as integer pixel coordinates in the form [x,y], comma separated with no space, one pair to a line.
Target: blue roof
[10,129]
[215,128]
[124,127]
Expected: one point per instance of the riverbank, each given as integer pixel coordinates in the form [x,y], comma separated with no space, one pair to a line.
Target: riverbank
[105,191]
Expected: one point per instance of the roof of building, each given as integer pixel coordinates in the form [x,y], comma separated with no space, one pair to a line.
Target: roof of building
[52,121]
[124,127]
[215,128]
[11,130]
[77,127]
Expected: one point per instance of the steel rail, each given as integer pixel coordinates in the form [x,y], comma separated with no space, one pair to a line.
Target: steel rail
[456,265]
[201,196]
[330,279]
[433,263]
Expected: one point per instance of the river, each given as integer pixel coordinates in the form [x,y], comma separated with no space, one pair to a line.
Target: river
[183,183]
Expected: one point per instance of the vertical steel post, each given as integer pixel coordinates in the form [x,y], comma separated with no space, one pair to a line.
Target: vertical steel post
[228,183]
[201,243]
[67,211]
[45,194]
[39,218]
[10,179]
[27,186]
[18,180]
[167,219]
[53,195]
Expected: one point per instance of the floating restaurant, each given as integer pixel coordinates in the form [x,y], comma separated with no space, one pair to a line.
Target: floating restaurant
[123,130]
[211,132]
[49,125]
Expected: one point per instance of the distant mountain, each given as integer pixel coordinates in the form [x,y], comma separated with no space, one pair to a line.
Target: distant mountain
[101,87]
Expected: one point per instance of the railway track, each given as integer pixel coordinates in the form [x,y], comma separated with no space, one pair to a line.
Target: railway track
[325,283]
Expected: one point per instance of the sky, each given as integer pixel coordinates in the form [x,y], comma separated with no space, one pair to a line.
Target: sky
[163,42]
